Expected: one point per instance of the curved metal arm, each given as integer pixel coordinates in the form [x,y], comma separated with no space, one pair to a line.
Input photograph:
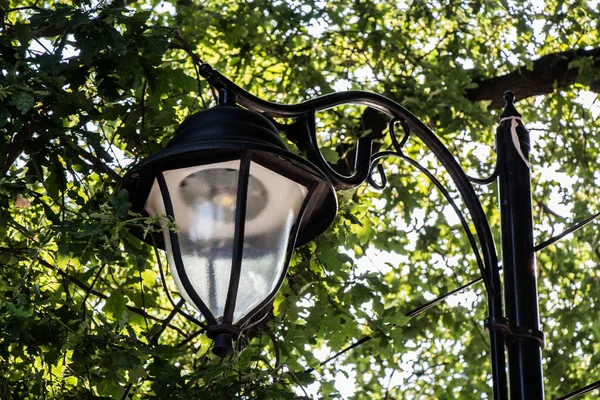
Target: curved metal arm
[381,103]
[305,111]
[448,198]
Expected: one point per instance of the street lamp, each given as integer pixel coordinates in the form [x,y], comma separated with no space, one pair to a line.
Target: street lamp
[242,201]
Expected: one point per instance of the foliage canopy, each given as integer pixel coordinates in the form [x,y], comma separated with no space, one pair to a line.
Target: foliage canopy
[87,88]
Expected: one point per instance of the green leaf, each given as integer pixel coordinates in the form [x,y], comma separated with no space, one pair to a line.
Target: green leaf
[330,155]
[116,305]
[23,101]
[4,116]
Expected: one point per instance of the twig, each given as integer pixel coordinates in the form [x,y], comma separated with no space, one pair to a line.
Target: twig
[127,390]
[66,286]
[190,338]
[143,110]
[165,323]
[387,389]
[275,347]
[16,147]
[144,299]
[10,10]
[83,286]
[87,292]
[196,60]
[297,381]
[549,211]
[98,164]
[186,47]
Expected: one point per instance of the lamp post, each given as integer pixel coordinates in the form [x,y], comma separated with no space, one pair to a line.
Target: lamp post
[242,202]
[520,278]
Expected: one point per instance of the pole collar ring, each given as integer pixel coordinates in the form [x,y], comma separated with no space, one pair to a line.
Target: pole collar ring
[515,333]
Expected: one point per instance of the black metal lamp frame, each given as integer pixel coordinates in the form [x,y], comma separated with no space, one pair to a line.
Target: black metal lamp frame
[200,148]
[520,331]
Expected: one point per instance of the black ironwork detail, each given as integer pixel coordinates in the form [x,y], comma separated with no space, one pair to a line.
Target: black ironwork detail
[383,180]
[238,239]
[304,113]
[515,333]
[487,180]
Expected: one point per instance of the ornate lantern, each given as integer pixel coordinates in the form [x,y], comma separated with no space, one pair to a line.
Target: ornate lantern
[241,202]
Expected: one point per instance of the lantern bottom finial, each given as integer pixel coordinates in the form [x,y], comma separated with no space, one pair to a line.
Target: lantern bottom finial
[223,345]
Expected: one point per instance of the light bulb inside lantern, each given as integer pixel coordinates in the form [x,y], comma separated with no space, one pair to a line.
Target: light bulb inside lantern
[217,189]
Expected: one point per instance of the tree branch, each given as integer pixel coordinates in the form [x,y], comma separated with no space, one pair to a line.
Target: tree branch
[16,147]
[546,75]
[165,323]
[547,210]
[85,287]
[98,164]
[191,337]
[87,292]
[185,46]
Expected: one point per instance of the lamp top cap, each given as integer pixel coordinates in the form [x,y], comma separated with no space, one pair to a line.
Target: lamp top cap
[509,96]
[509,108]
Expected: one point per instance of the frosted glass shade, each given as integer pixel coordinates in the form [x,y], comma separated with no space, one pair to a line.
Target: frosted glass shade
[204,200]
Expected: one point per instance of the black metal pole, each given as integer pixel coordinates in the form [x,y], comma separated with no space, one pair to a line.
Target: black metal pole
[524,341]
